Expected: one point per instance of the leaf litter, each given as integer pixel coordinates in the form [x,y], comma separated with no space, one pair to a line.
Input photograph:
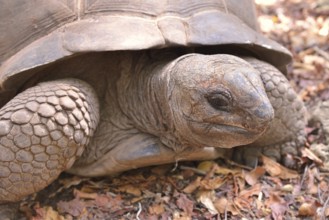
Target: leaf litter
[220,189]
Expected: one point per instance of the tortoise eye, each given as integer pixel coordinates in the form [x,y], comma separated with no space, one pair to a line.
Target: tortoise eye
[219,100]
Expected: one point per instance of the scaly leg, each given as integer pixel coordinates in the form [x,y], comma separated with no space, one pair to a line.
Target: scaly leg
[42,131]
[286,133]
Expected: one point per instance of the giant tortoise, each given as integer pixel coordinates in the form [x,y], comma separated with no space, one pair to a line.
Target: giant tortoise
[96,87]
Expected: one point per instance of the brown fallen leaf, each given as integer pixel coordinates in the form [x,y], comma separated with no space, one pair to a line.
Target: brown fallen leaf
[184,203]
[277,205]
[190,188]
[307,153]
[131,190]
[223,205]
[156,209]
[206,197]
[84,195]
[47,213]
[213,183]
[74,207]
[277,170]
[253,176]
[252,191]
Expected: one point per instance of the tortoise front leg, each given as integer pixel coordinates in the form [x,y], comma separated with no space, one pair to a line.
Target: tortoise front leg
[287,131]
[42,131]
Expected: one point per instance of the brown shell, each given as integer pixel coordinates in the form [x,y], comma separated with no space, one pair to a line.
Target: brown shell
[39,32]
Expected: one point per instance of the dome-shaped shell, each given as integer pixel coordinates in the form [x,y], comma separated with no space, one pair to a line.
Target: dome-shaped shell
[39,32]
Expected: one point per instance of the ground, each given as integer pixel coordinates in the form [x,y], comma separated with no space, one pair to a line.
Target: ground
[220,189]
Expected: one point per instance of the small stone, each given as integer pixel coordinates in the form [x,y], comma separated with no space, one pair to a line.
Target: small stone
[22,140]
[5,127]
[21,116]
[40,130]
[46,110]
[32,106]
[67,103]
[61,118]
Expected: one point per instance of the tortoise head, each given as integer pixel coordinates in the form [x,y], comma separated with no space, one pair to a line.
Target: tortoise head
[217,101]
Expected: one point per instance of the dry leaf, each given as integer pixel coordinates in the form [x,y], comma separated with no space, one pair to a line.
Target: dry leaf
[223,205]
[185,204]
[277,170]
[192,186]
[156,209]
[213,183]
[84,195]
[47,213]
[206,166]
[131,190]
[310,155]
[252,191]
[206,197]
[74,207]
[253,176]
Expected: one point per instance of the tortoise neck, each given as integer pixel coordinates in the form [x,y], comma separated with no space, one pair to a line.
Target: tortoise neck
[143,96]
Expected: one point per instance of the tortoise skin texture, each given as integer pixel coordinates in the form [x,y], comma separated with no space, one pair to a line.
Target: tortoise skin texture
[99,87]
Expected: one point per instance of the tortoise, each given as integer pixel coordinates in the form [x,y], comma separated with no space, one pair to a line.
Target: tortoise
[100,87]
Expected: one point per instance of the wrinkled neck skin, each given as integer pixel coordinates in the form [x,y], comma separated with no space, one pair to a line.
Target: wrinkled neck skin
[144,93]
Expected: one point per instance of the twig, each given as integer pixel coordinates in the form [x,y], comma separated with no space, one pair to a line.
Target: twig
[139,211]
[238,165]
[321,52]
[195,170]
[323,215]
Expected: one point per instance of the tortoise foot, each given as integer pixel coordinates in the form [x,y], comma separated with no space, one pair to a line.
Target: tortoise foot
[42,131]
